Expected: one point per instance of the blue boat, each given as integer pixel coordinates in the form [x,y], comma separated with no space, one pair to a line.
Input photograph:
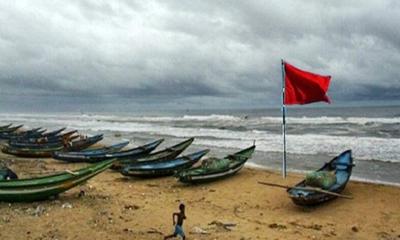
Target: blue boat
[162,168]
[83,143]
[168,153]
[13,134]
[43,141]
[102,150]
[48,150]
[53,133]
[342,165]
[137,152]
[20,144]
[96,151]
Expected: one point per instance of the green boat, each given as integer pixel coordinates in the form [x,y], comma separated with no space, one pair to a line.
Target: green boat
[41,188]
[214,168]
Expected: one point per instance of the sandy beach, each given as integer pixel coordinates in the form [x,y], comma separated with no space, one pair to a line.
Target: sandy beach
[115,207]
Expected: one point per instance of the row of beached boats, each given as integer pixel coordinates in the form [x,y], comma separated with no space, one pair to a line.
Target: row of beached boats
[141,161]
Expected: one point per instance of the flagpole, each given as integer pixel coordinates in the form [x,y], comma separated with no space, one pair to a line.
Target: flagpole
[283,120]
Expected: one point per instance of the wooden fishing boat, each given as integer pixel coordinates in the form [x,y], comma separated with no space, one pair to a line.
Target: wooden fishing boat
[342,165]
[62,142]
[7,135]
[41,188]
[26,133]
[31,152]
[48,150]
[53,133]
[43,139]
[39,136]
[203,173]
[136,152]
[10,129]
[99,151]
[36,133]
[15,144]
[33,130]
[5,126]
[44,142]
[83,143]
[165,154]
[18,134]
[162,168]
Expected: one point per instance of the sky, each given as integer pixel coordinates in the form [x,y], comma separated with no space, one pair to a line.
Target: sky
[131,55]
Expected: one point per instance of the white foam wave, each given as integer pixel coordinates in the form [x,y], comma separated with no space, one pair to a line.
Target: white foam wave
[383,149]
[212,117]
[331,120]
[363,147]
[365,180]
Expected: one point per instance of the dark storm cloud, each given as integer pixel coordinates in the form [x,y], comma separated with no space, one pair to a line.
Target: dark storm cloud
[169,89]
[201,51]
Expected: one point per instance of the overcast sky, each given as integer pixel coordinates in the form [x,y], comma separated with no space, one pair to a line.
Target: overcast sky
[192,54]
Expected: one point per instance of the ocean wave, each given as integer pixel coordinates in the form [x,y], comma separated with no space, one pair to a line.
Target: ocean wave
[365,147]
[366,180]
[254,120]
[384,149]
[331,120]
[212,117]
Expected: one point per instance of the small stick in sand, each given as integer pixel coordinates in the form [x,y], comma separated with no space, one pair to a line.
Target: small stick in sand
[307,188]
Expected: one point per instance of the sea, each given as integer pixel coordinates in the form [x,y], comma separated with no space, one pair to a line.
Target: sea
[314,135]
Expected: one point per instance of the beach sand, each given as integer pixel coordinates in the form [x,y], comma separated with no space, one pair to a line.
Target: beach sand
[115,207]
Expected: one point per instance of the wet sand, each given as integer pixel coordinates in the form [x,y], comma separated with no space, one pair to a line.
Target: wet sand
[115,207]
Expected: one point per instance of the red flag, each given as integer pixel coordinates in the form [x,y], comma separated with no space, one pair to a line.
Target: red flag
[303,87]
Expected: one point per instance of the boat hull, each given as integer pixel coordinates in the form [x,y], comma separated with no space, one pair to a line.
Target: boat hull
[133,153]
[213,176]
[29,190]
[45,152]
[342,165]
[164,168]
[163,155]
[199,175]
